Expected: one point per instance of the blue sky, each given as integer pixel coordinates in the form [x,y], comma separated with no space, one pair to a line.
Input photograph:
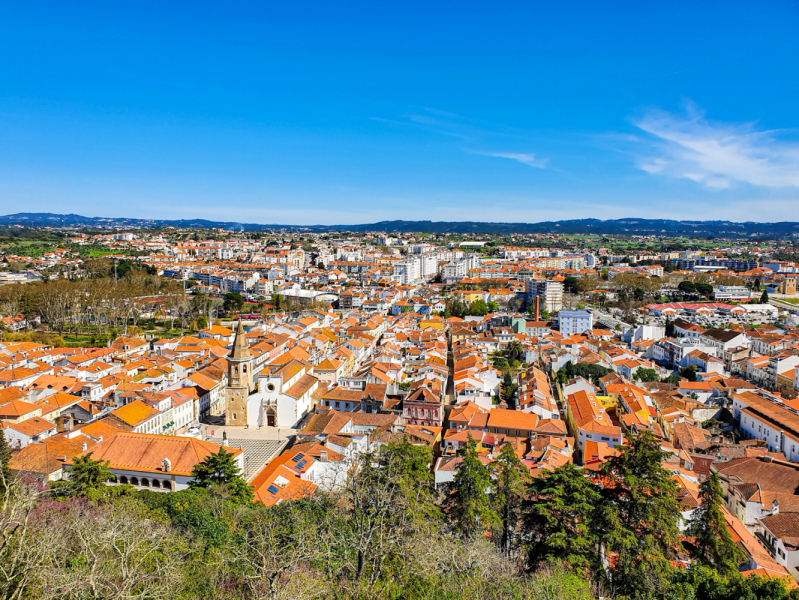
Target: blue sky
[305,112]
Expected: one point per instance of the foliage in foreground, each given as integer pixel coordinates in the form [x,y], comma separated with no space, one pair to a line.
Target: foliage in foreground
[388,534]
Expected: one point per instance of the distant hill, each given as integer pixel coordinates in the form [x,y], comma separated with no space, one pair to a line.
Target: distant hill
[630,226]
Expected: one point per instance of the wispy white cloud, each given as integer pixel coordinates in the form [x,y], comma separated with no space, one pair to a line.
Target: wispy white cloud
[525,158]
[718,155]
[474,132]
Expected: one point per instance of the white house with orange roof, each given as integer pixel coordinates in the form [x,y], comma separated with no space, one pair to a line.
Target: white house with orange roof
[160,463]
[29,431]
[217,332]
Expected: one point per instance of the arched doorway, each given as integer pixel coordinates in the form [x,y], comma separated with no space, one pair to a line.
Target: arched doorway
[271,418]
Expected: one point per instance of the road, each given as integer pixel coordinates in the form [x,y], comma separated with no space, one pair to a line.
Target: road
[779,303]
[606,318]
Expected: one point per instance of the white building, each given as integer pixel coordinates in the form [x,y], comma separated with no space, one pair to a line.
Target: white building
[575,322]
[156,462]
[734,293]
[763,416]
[550,292]
[407,272]
[283,397]
[459,269]
[779,532]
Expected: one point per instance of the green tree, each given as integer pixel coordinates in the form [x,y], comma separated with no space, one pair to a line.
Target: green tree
[638,517]
[688,373]
[389,496]
[5,469]
[588,371]
[456,307]
[704,288]
[704,583]
[571,284]
[469,504]
[713,542]
[560,518]
[670,329]
[510,480]
[687,286]
[514,351]
[508,387]
[221,469]
[764,297]
[493,307]
[410,468]
[478,308]
[500,362]
[86,478]
[233,301]
[193,510]
[644,374]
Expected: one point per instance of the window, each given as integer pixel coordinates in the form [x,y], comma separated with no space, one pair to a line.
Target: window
[167,485]
[134,481]
[145,482]
[156,483]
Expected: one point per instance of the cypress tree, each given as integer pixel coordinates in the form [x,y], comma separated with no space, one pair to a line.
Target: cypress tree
[639,516]
[5,468]
[713,542]
[469,503]
[560,517]
[510,482]
[221,469]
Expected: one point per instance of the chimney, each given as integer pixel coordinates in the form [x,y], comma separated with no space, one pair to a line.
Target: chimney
[166,465]
[538,308]
[323,455]
[101,438]
[85,446]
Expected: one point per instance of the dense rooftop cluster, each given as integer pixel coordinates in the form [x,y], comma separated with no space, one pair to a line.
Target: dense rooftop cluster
[312,355]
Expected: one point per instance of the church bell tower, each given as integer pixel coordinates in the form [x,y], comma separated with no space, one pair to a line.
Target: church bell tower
[240,381]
